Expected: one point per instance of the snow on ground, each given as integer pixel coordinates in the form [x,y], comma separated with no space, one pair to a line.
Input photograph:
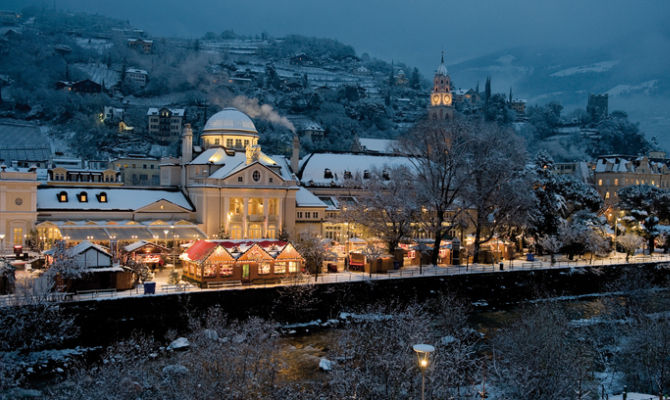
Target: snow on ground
[99,45]
[602,66]
[634,396]
[100,74]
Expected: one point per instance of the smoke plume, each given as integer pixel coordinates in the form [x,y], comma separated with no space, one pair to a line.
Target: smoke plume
[262,111]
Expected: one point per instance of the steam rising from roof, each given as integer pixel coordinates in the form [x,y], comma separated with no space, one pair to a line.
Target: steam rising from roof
[262,111]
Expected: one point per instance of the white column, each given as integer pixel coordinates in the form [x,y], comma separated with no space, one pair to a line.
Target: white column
[226,210]
[280,213]
[266,210]
[245,214]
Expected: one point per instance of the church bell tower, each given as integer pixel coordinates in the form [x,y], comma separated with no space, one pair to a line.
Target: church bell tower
[441,99]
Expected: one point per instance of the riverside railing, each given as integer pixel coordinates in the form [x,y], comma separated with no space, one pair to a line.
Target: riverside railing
[341,277]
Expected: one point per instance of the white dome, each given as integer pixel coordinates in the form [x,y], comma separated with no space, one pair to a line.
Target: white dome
[230,120]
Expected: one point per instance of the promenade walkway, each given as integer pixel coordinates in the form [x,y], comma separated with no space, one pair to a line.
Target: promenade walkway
[163,288]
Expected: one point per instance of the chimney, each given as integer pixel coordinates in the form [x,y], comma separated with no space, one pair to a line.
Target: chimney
[187,144]
[295,155]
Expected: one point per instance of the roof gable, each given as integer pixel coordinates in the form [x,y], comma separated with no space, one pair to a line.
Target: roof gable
[255,253]
[289,253]
[162,206]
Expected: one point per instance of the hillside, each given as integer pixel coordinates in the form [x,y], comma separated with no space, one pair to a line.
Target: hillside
[634,71]
[286,84]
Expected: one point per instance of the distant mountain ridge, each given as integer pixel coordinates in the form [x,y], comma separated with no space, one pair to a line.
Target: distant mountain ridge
[635,72]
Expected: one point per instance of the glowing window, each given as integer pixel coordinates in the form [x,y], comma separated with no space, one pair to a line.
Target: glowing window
[264,268]
[280,267]
[292,266]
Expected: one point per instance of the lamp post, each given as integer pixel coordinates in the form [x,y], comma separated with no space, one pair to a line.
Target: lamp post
[2,242]
[423,357]
[165,231]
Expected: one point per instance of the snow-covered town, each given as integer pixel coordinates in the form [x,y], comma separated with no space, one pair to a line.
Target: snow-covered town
[195,207]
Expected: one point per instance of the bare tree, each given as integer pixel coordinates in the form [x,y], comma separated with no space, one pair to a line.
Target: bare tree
[439,153]
[541,357]
[551,244]
[496,157]
[313,251]
[387,205]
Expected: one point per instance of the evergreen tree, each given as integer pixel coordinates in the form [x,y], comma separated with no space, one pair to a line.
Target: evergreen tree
[487,89]
[391,78]
[415,79]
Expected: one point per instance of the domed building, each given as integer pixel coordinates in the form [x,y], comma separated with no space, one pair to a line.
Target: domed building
[230,128]
[238,191]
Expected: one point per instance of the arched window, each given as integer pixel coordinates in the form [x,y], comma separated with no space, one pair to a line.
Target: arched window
[62,197]
[102,197]
[83,197]
[327,173]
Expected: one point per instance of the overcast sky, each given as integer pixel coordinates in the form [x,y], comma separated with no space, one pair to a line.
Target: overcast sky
[410,31]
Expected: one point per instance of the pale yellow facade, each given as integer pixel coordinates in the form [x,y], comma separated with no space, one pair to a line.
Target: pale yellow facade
[18,205]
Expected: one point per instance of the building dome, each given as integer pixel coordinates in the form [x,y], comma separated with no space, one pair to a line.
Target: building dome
[230,121]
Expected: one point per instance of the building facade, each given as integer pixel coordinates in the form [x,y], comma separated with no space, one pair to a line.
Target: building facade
[18,198]
[165,124]
[138,170]
[615,172]
[238,191]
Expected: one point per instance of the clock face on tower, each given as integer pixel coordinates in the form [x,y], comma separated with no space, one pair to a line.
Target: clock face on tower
[446,99]
[435,99]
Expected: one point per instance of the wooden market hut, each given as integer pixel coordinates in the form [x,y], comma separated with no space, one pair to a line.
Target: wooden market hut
[151,254]
[214,262]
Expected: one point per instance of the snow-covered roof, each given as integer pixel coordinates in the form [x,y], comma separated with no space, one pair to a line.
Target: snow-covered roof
[85,245]
[117,199]
[305,198]
[385,146]
[179,112]
[229,162]
[623,163]
[137,71]
[230,120]
[20,141]
[317,168]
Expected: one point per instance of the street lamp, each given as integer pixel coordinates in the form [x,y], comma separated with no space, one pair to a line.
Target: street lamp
[423,357]
[2,241]
[165,231]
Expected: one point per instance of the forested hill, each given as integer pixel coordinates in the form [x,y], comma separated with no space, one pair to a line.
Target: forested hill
[321,88]
[284,83]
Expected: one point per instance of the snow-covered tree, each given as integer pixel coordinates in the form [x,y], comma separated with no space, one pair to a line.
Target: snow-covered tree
[583,232]
[629,242]
[552,244]
[558,196]
[644,206]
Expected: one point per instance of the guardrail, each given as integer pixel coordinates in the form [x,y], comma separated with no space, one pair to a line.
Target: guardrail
[340,277]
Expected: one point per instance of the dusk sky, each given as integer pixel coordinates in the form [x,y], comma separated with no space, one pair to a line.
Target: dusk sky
[412,32]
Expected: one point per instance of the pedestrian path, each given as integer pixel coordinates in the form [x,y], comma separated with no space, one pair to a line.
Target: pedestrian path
[164,287]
